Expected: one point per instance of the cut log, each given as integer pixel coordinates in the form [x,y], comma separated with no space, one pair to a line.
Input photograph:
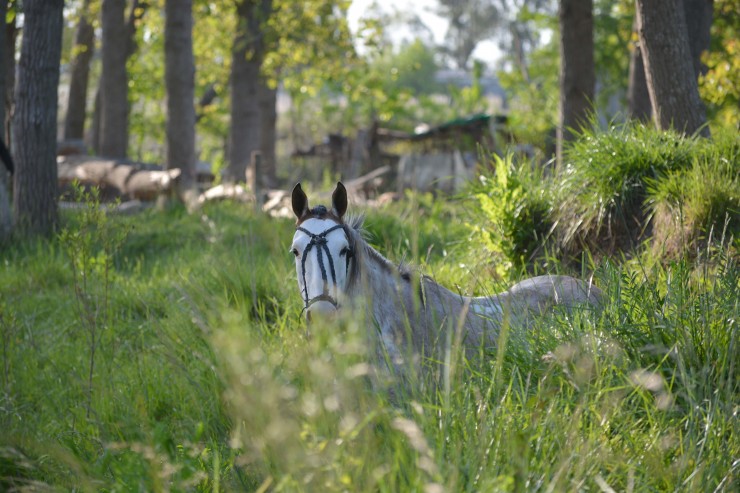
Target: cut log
[135,180]
[362,181]
[370,183]
[226,191]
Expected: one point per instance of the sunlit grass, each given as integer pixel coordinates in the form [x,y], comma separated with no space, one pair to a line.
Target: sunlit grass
[208,379]
[605,180]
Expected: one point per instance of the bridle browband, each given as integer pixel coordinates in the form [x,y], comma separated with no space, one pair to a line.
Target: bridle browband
[320,242]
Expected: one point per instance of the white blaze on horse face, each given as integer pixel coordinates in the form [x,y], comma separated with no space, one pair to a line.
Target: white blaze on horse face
[310,270]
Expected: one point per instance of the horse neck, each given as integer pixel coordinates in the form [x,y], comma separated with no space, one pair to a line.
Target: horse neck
[396,296]
[372,275]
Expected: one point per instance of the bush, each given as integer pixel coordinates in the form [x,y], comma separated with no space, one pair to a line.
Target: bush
[514,216]
[605,181]
[690,205]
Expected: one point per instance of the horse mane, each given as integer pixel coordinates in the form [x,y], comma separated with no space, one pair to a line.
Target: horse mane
[359,238]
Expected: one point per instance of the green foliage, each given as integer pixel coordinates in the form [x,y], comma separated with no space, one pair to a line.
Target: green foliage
[615,190]
[146,88]
[90,246]
[612,34]
[720,86]
[602,183]
[411,67]
[533,86]
[514,216]
[533,91]
[469,100]
[691,204]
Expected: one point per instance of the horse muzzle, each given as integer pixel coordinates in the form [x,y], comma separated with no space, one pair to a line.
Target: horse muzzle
[322,306]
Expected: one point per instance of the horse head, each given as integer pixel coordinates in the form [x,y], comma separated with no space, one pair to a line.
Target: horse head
[323,251]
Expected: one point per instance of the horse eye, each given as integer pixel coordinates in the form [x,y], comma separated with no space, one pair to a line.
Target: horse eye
[344,251]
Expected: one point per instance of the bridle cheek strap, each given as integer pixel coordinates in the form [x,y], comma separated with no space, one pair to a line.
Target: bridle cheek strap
[319,241]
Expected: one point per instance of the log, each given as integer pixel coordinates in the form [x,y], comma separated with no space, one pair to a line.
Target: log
[226,191]
[362,181]
[135,180]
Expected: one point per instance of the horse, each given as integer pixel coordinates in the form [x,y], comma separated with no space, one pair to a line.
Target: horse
[412,314]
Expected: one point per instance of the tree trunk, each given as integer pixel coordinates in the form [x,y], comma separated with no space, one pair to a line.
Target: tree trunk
[246,121]
[180,82]
[6,217]
[669,69]
[35,119]
[94,132]
[268,103]
[577,71]
[698,15]
[114,82]
[638,97]
[11,33]
[74,121]
[135,14]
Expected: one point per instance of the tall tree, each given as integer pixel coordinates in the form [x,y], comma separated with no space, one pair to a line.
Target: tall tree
[268,110]
[84,46]
[11,34]
[669,68]
[180,82]
[138,8]
[638,97]
[6,218]
[35,118]
[248,53]
[470,22]
[698,15]
[114,82]
[577,71]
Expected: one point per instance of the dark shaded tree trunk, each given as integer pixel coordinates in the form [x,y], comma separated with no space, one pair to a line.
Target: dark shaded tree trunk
[6,216]
[577,71]
[114,82]
[245,135]
[669,68]
[11,33]
[180,82]
[35,118]
[94,133]
[135,14]
[638,97]
[698,15]
[74,121]
[268,103]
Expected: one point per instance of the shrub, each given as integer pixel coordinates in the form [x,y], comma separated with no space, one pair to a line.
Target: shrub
[514,216]
[690,205]
[603,184]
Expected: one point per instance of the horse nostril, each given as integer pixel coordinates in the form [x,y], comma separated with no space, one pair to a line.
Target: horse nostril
[308,316]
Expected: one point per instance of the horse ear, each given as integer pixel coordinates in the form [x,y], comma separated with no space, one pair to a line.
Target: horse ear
[339,199]
[299,201]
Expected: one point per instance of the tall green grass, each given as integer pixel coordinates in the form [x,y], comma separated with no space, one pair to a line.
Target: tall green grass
[694,204]
[207,379]
[604,186]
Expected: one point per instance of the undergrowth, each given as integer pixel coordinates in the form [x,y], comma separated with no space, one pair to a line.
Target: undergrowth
[207,379]
[616,192]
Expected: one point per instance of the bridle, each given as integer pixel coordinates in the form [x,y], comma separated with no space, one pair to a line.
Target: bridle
[320,242]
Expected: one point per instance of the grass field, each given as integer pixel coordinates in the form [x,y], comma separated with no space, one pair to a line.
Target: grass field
[165,352]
